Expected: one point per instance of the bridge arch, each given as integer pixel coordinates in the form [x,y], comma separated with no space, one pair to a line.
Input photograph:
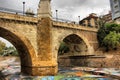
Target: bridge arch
[84,39]
[76,41]
[78,46]
[24,48]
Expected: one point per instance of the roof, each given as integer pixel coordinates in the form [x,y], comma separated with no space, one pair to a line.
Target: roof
[92,15]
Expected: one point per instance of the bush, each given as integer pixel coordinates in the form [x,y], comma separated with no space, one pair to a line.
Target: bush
[109,36]
[112,40]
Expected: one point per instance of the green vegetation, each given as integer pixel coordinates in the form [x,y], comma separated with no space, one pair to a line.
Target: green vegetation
[112,40]
[11,51]
[2,47]
[7,51]
[101,34]
[109,36]
[63,48]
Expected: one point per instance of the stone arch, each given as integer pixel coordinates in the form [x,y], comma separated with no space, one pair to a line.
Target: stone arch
[72,59]
[85,40]
[23,46]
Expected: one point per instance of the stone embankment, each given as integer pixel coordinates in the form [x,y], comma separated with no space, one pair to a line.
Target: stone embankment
[100,60]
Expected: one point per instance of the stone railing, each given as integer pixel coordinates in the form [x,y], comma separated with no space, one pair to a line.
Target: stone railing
[9,16]
[73,26]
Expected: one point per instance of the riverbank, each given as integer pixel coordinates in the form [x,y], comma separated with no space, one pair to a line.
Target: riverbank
[10,70]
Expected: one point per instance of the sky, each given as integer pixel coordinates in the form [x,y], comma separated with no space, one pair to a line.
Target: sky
[67,9]
[8,44]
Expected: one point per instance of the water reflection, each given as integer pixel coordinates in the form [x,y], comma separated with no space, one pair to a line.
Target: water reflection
[10,70]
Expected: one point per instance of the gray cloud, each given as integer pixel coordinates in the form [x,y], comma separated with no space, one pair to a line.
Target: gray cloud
[81,7]
[68,9]
[79,3]
[18,4]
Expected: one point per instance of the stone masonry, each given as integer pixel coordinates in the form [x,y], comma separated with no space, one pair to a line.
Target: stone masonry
[37,39]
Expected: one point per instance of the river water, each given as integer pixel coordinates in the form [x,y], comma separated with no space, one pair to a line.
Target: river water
[10,70]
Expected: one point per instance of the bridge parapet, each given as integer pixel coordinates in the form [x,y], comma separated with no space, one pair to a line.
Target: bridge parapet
[73,26]
[10,16]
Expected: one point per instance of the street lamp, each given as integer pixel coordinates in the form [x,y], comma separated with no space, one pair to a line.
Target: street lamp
[56,15]
[78,19]
[23,8]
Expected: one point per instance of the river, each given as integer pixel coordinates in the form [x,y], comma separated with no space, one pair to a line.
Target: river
[10,70]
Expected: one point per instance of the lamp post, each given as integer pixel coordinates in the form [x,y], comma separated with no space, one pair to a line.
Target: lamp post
[78,19]
[56,15]
[23,8]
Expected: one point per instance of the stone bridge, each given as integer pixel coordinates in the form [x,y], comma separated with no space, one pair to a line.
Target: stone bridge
[37,39]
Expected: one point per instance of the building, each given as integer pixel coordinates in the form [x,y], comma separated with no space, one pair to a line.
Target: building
[29,12]
[107,17]
[115,8]
[90,21]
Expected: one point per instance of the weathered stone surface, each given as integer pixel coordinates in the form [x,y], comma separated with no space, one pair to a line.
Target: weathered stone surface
[40,70]
[44,39]
[37,39]
[44,9]
[61,30]
[107,61]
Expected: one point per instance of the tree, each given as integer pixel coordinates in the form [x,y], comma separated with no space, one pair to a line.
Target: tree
[101,34]
[11,51]
[101,21]
[112,27]
[112,40]
[2,47]
[63,48]
[108,36]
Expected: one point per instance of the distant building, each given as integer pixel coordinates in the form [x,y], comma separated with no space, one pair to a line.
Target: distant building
[29,12]
[107,17]
[90,21]
[115,8]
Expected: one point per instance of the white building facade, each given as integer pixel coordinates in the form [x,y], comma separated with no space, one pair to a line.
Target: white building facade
[115,8]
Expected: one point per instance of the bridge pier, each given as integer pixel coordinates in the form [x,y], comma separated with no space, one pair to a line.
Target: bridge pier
[45,63]
[37,39]
[42,68]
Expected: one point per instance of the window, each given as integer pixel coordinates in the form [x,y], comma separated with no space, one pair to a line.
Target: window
[89,24]
[116,12]
[115,1]
[116,7]
[84,25]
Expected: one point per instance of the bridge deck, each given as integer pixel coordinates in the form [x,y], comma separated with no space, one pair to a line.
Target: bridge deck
[17,17]
[73,26]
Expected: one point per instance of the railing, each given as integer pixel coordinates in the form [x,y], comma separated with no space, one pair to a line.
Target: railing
[7,10]
[64,20]
[10,10]
[13,11]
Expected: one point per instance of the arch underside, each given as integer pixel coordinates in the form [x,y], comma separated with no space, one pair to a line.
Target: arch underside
[23,46]
[76,45]
[79,45]
[61,34]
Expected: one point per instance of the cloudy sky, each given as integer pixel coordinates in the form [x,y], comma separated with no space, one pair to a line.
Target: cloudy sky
[67,9]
